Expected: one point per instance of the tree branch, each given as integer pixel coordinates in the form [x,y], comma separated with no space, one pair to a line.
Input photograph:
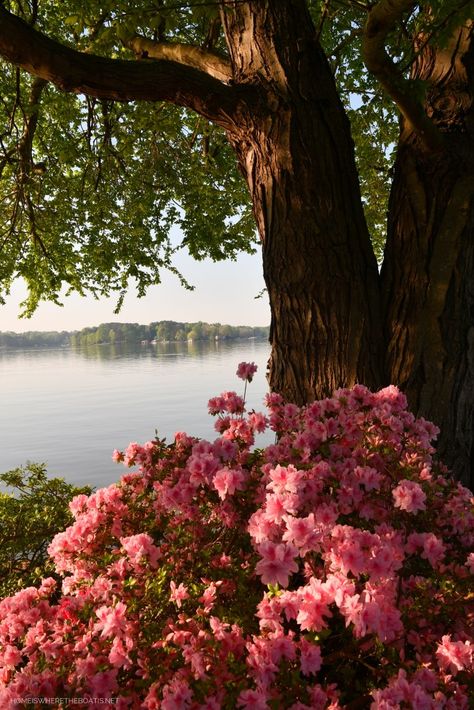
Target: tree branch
[115,79]
[31,121]
[186,54]
[381,20]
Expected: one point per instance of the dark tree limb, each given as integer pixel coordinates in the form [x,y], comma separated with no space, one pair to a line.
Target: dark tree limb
[31,122]
[115,79]
[381,20]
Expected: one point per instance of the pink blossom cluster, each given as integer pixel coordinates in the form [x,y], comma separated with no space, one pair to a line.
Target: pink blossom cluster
[331,569]
[246,370]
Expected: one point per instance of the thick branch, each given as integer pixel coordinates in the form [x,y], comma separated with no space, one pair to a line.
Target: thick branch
[115,79]
[26,143]
[381,20]
[186,54]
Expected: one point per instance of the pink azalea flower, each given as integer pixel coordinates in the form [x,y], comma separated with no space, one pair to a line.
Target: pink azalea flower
[208,598]
[246,370]
[319,698]
[112,620]
[104,684]
[86,667]
[201,468]
[141,549]
[176,696]
[118,655]
[225,449]
[258,421]
[282,647]
[131,452]
[260,527]
[253,700]
[234,404]
[227,480]
[277,563]
[455,656]
[349,557]
[314,606]
[277,505]
[326,515]
[117,456]
[433,549]
[11,656]
[239,429]
[216,405]
[182,439]
[285,479]
[310,658]
[369,477]
[178,593]
[351,608]
[302,532]
[78,504]
[409,496]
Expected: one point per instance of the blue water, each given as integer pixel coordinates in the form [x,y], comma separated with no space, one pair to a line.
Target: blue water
[69,408]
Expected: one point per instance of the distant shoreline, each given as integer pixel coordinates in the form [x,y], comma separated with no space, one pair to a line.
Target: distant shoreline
[158,332]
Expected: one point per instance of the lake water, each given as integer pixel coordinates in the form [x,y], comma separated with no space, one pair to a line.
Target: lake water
[70,408]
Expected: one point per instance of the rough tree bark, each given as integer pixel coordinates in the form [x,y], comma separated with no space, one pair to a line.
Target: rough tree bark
[297,156]
[428,271]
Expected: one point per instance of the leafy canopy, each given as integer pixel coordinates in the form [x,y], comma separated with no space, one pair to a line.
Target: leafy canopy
[91,189]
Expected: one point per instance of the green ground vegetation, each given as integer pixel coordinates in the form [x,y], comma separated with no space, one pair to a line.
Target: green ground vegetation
[33,509]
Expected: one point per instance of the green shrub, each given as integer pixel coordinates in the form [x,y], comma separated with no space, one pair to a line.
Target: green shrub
[33,509]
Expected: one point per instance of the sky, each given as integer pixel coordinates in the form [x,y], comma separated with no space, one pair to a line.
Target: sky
[224,293]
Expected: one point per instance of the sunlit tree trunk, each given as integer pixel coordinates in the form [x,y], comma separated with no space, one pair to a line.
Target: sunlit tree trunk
[297,156]
[428,273]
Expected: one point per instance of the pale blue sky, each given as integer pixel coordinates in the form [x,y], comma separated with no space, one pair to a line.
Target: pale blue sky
[225,292]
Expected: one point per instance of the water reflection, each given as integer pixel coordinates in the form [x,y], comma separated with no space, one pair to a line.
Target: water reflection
[173,350]
[70,407]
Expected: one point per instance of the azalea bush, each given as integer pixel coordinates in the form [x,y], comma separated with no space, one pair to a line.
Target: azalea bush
[332,569]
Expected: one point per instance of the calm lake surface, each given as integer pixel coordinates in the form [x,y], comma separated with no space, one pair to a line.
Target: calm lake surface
[69,408]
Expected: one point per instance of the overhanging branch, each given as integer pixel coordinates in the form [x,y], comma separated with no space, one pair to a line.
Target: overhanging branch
[186,54]
[381,20]
[115,79]
[26,144]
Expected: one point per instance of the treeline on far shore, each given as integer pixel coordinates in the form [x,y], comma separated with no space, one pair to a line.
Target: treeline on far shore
[157,332]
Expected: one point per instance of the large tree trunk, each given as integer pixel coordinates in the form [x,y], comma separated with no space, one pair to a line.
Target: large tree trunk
[297,156]
[428,272]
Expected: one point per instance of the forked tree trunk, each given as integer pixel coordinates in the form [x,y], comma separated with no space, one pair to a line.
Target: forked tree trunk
[428,272]
[297,156]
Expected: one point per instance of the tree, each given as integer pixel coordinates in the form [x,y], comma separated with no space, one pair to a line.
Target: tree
[263,81]
[165,331]
[225,331]
[102,333]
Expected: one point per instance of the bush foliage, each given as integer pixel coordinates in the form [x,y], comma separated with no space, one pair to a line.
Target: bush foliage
[33,509]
